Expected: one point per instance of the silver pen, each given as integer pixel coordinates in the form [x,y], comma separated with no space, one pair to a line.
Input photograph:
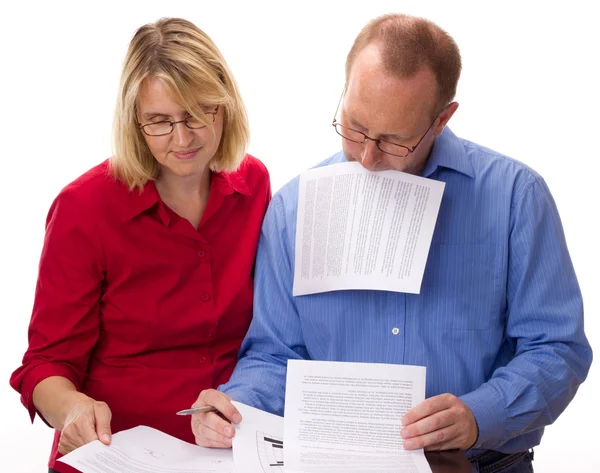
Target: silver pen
[196,410]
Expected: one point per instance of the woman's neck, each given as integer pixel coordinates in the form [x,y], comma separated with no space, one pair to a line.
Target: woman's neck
[172,187]
[185,195]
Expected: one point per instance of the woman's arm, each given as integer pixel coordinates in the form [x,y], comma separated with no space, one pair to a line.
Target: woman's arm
[80,418]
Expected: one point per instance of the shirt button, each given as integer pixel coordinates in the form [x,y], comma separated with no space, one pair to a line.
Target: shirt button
[202,359]
[395,330]
[208,334]
[201,254]
[205,297]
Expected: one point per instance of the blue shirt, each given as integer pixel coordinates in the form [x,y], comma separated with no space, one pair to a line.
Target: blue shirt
[498,322]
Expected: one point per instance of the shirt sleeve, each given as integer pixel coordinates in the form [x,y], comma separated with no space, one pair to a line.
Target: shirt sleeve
[65,320]
[275,334]
[544,328]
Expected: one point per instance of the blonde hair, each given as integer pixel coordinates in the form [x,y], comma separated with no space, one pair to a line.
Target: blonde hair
[407,44]
[191,67]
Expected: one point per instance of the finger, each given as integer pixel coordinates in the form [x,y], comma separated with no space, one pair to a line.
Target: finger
[72,436]
[211,444]
[83,429]
[428,407]
[222,402]
[87,433]
[78,433]
[103,416]
[216,423]
[65,445]
[207,437]
[443,439]
[434,422]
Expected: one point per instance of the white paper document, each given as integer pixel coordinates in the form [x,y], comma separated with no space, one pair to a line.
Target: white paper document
[345,417]
[258,441]
[358,229]
[147,450]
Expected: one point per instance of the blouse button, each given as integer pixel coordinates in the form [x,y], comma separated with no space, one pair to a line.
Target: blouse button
[201,254]
[205,297]
[395,330]
[208,334]
[202,359]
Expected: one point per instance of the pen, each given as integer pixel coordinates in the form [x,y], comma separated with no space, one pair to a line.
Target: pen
[196,410]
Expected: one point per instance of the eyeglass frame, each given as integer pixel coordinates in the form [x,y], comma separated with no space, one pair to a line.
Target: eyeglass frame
[335,123]
[184,121]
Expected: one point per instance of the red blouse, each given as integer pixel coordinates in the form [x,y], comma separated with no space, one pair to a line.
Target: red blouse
[134,305]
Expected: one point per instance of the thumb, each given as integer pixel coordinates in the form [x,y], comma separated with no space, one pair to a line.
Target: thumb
[103,416]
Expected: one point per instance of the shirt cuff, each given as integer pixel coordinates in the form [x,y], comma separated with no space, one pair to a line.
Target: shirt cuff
[487,407]
[238,395]
[37,374]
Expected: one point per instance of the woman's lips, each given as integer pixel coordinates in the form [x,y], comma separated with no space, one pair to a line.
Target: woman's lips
[186,154]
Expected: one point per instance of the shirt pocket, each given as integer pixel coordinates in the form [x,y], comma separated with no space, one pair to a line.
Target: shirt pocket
[461,288]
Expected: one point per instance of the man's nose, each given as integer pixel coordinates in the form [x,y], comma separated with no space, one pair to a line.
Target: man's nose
[369,157]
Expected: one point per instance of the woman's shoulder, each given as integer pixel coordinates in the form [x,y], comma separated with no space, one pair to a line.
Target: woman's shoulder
[253,171]
[98,177]
[93,189]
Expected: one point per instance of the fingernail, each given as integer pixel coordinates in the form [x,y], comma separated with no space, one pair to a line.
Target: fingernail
[106,437]
[237,418]
[404,433]
[404,420]
[227,431]
[408,445]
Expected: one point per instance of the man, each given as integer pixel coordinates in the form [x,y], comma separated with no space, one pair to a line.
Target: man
[499,320]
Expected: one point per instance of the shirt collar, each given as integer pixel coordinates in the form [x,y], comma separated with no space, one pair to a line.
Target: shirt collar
[229,182]
[221,183]
[136,202]
[449,152]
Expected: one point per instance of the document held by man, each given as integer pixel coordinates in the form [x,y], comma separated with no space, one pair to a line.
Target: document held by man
[345,417]
[147,450]
[358,229]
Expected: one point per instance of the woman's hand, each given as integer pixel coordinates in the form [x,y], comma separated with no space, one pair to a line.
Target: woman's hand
[79,418]
[86,420]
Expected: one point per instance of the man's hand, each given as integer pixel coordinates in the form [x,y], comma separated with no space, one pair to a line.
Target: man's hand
[86,420]
[441,422]
[210,429]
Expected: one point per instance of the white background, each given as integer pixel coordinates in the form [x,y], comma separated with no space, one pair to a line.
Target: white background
[529,89]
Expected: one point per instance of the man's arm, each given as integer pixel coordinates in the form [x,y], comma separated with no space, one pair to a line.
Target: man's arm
[275,334]
[544,326]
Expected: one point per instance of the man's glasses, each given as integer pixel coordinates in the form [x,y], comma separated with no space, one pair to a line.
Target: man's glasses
[384,146]
[164,127]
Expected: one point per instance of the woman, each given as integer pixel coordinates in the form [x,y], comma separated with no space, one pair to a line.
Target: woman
[144,291]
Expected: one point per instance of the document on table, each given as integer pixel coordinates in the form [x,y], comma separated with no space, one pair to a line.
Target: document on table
[258,441]
[346,417]
[147,450]
[358,229]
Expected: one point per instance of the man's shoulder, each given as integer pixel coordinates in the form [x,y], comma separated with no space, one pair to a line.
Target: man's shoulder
[491,172]
[333,159]
[284,204]
[289,192]
[496,166]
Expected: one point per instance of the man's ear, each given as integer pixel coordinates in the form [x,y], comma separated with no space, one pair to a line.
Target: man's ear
[445,117]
